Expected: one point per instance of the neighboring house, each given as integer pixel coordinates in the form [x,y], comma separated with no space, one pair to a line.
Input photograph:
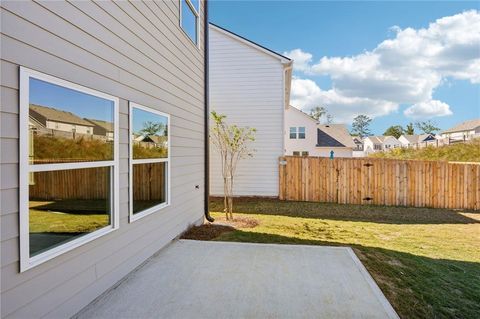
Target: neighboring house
[373,144]
[411,140]
[334,140]
[250,84]
[158,141]
[358,150]
[300,133]
[59,120]
[390,142]
[122,57]
[103,128]
[463,131]
[358,143]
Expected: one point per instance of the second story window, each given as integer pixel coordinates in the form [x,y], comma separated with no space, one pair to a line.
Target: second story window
[301,132]
[190,18]
[293,133]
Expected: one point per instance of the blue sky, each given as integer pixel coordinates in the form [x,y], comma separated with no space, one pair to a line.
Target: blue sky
[64,99]
[351,36]
[140,117]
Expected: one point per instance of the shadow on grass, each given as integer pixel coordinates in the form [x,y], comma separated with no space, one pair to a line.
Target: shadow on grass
[347,212]
[72,206]
[416,286]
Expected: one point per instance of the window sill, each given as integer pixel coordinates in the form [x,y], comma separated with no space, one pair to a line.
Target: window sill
[146,212]
[34,261]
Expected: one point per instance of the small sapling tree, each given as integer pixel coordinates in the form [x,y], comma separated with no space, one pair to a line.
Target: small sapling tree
[233,144]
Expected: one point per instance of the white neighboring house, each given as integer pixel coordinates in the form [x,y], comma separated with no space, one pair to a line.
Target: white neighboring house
[304,136]
[300,133]
[358,151]
[412,140]
[463,131]
[250,84]
[373,144]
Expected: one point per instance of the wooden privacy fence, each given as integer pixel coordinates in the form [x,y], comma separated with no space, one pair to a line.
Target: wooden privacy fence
[380,182]
[92,183]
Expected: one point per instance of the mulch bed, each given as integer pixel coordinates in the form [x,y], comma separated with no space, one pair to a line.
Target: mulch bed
[210,231]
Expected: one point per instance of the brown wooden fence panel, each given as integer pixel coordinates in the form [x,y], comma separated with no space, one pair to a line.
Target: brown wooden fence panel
[381,182]
[92,183]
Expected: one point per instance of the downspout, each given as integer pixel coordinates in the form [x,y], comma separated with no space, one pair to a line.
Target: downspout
[207,117]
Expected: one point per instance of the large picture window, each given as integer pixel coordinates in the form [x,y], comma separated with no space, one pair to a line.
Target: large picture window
[149,161]
[190,18]
[68,166]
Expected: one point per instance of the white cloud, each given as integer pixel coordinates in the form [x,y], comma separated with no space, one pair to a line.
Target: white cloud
[306,94]
[428,109]
[301,60]
[403,70]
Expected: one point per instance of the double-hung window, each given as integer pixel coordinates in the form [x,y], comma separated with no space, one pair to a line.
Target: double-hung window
[293,133]
[301,133]
[149,161]
[68,178]
[297,132]
[190,18]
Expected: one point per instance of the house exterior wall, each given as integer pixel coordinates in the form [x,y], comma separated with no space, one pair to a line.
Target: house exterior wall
[337,152]
[369,146]
[463,134]
[247,85]
[137,52]
[296,118]
[390,143]
[69,127]
[403,141]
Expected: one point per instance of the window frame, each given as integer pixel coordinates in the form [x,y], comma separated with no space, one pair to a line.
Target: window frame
[26,261]
[304,133]
[131,161]
[197,16]
[290,133]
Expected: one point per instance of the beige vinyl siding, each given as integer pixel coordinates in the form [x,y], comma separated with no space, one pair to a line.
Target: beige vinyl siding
[137,52]
[247,85]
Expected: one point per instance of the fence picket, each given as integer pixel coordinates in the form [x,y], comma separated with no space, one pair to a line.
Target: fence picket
[387,182]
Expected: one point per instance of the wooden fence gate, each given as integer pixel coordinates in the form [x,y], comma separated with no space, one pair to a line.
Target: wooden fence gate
[380,182]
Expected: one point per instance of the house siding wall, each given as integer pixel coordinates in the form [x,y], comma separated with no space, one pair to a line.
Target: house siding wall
[137,52]
[295,118]
[337,152]
[247,86]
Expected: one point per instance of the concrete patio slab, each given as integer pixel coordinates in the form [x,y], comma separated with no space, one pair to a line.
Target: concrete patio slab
[199,279]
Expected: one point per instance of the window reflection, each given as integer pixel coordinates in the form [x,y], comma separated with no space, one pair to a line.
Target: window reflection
[149,185]
[149,135]
[67,204]
[66,125]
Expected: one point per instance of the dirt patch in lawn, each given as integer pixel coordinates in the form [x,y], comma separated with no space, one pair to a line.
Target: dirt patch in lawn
[221,226]
[237,222]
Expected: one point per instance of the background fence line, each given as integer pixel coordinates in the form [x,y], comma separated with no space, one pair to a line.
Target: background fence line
[380,181]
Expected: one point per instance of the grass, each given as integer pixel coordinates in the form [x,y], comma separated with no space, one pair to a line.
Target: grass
[460,152]
[426,261]
[59,217]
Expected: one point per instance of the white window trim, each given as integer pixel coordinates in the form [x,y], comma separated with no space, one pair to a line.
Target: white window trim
[27,262]
[133,217]
[197,14]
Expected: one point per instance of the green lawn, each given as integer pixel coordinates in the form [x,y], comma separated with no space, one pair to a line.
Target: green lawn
[426,261]
[67,216]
